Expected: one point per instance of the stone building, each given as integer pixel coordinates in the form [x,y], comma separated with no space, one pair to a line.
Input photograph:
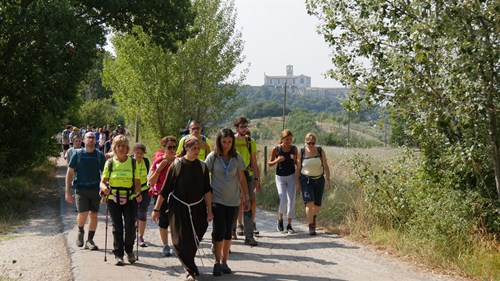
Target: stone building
[297,82]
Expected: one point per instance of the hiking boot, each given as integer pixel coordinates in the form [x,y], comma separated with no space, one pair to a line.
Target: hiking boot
[241,230]
[119,261]
[312,229]
[255,231]
[280,225]
[131,257]
[233,234]
[166,252]
[289,229]
[251,241]
[79,240]
[190,277]
[226,269]
[142,243]
[91,245]
[217,269]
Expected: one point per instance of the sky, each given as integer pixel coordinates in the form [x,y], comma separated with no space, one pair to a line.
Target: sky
[278,33]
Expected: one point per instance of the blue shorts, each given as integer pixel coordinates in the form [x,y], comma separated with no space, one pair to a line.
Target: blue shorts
[312,189]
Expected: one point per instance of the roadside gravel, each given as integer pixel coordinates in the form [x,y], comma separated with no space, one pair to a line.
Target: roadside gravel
[44,249]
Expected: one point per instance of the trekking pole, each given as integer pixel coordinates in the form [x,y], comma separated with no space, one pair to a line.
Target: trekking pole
[106,233]
[137,236]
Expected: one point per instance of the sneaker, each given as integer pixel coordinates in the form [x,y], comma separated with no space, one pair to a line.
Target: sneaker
[241,230]
[119,261]
[289,229]
[91,245]
[226,269]
[79,240]
[142,243]
[251,241]
[131,257]
[280,225]
[233,234]
[217,269]
[166,252]
[255,231]
[312,230]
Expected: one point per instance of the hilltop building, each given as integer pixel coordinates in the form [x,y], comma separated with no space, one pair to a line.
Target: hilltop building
[298,82]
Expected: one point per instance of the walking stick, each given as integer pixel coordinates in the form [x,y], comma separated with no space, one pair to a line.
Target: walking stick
[106,233]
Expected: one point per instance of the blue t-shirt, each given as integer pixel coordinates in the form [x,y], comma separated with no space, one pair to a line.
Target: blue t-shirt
[88,168]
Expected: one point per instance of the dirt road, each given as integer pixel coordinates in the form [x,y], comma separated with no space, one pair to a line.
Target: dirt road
[278,257]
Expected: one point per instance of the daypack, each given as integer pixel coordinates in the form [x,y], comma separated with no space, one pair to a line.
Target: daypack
[280,149]
[79,153]
[303,152]
[178,164]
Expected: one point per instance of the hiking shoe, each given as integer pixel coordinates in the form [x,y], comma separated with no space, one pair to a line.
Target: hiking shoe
[91,245]
[255,231]
[142,243]
[226,269]
[189,277]
[289,229]
[251,241]
[280,225]
[131,257]
[241,230]
[166,252]
[119,261]
[79,240]
[312,229]
[233,234]
[217,269]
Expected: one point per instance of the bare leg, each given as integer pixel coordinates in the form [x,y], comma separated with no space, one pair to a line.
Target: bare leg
[92,221]
[164,235]
[142,228]
[226,246]
[81,219]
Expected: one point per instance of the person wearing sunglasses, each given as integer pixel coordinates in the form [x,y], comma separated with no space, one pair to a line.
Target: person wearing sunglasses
[312,168]
[157,174]
[195,130]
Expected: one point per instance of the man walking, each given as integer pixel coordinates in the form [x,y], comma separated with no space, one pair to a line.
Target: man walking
[84,174]
[247,147]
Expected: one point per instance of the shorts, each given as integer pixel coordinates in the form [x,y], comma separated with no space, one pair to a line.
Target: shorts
[87,200]
[65,146]
[142,211]
[312,189]
[163,221]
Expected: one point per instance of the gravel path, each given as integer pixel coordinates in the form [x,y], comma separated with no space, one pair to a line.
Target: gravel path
[45,250]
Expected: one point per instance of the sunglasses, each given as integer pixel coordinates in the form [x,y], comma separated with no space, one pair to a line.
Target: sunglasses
[196,128]
[171,147]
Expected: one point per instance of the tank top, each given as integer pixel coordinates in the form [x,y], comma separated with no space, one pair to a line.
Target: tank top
[312,166]
[286,167]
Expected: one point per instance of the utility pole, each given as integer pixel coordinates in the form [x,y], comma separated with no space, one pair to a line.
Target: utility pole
[284,107]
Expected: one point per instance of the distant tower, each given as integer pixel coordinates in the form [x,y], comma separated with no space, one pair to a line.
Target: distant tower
[289,70]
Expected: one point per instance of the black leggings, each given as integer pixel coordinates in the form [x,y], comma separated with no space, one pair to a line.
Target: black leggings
[223,221]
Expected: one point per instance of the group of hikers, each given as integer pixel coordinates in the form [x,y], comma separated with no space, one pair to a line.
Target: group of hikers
[192,183]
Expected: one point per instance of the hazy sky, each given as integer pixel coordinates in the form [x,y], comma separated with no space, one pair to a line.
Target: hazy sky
[278,33]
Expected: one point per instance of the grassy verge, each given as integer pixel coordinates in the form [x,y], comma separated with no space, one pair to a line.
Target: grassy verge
[20,194]
[440,240]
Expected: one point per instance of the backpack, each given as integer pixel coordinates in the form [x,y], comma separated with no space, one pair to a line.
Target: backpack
[177,166]
[79,153]
[128,190]
[110,167]
[280,150]
[303,152]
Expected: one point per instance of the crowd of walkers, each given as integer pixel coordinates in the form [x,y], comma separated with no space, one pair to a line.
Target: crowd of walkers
[192,183]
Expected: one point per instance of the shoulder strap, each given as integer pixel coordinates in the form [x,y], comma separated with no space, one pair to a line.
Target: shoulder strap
[248,140]
[134,162]
[177,166]
[110,165]
[146,161]
[78,156]
[302,152]
[203,165]
[280,149]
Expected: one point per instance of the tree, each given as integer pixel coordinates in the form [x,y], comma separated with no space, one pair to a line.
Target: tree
[436,63]
[46,49]
[164,89]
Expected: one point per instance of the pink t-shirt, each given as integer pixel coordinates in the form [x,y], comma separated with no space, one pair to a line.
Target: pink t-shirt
[161,178]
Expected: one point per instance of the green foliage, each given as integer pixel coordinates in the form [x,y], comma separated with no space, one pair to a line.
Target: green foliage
[263,109]
[435,64]
[100,112]
[47,49]
[148,81]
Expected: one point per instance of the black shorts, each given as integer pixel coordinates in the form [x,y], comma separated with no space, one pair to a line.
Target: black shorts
[87,200]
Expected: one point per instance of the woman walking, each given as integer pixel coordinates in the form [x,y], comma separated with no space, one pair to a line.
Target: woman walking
[284,156]
[122,185]
[142,209]
[229,187]
[158,173]
[189,194]
[312,167]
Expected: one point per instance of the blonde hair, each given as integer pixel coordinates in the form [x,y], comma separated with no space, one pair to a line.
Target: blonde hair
[309,137]
[119,140]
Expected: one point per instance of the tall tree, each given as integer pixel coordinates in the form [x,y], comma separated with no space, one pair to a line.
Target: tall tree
[163,89]
[437,63]
[47,47]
